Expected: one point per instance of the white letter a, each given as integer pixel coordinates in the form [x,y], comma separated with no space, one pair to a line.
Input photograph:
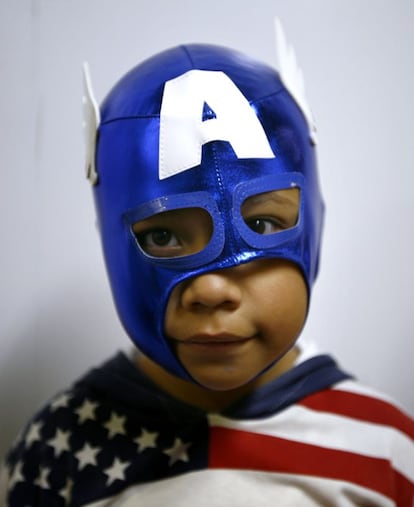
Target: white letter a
[183,131]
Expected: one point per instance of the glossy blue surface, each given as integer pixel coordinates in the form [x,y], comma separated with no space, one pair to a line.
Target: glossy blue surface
[129,188]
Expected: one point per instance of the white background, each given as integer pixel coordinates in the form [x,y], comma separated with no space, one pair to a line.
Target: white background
[57,316]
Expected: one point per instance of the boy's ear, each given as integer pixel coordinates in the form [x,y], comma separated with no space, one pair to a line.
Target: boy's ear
[292,76]
[91,121]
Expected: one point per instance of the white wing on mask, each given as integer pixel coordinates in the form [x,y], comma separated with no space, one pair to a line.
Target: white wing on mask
[91,121]
[292,76]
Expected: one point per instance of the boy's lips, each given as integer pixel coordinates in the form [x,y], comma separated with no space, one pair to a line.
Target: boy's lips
[214,339]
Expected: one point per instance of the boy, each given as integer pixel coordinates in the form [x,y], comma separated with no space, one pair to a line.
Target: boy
[206,188]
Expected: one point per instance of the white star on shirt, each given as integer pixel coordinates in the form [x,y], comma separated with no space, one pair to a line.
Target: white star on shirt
[66,492]
[33,433]
[87,456]
[116,471]
[178,452]
[86,411]
[60,442]
[60,401]
[17,475]
[146,440]
[115,425]
[41,480]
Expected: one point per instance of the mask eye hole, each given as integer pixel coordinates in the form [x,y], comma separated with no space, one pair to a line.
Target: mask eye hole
[272,212]
[174,233]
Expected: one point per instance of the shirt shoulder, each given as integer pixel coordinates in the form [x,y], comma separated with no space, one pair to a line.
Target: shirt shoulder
[94,439]
[344,433]
[352,400]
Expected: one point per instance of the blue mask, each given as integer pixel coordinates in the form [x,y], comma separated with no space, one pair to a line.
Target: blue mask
[205,127]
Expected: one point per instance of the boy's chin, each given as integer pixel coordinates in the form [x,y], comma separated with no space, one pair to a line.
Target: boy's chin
[233,379]
[222,383]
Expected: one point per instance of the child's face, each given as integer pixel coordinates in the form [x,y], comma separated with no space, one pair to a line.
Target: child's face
[227,326]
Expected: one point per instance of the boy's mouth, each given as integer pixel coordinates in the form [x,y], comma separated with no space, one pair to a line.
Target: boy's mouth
[214,340]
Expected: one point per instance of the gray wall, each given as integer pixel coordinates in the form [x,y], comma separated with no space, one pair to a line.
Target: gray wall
[57,317]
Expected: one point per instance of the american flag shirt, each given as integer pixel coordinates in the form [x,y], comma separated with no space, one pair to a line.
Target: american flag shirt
[313,436]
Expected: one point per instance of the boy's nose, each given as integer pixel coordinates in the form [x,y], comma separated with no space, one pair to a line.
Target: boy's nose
[212,290]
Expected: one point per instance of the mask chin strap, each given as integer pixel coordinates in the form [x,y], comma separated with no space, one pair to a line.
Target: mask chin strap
[91,121]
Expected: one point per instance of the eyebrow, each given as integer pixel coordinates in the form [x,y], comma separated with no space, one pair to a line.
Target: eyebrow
[173,218]
[276,196]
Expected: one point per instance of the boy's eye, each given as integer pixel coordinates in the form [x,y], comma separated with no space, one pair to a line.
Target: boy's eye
[174,233]
[158,242]
[272,212]
[263,225]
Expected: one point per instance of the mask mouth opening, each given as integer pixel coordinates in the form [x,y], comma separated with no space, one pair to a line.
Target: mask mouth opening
[184,235]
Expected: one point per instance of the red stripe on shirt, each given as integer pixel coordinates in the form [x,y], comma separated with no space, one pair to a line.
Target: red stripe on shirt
[235,449]
[361,407]
[404,491]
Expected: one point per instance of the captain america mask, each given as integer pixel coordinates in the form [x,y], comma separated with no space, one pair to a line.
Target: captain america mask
[198,130]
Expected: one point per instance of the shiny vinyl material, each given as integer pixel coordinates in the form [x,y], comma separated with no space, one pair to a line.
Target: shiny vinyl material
[129,188]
